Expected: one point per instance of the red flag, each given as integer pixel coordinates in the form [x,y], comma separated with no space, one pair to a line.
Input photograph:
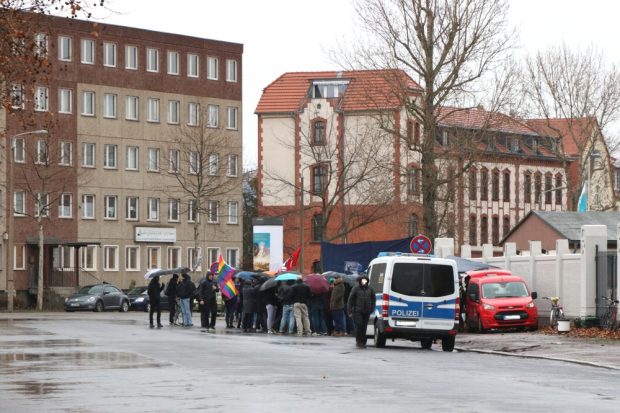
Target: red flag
[292,261]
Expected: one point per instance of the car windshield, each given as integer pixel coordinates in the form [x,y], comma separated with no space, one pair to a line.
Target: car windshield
[137,290]
[430,280]
[504,290]
[91,289]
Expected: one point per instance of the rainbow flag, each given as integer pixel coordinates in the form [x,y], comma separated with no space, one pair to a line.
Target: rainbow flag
[225,279]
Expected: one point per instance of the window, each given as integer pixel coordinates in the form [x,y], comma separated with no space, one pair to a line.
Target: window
[413,225]
[214,163]
[231,70]
[537,187]
[451,189]
[174,257]
[131,57]
[88,258]
[88,52]
[17,96]
[66,257]
[19,203]
[66,152]
[213,212]
[111,203]
[153,110]
[445,139]
[152,60]
[515,145]
[232,165]
[506,189]
[193,255]
[131,208]
[174,205]
[175,159]
[527,188]
[213,254]
[109,105]
[193,65]
[109,156]
[19,257]
[212,68]
[153,255]
[109,54]
[131,162]
[484,186]
[41,99]
[40,45]
[213,116]
[505,225]
[42,152]
[495,230]
[192,211]
[65,206]
[174,107]
[110,258]
[64,48]
[430,280]
[326,89]
[317,227]
[153,209]
[173,63]
[153,160]
[318,132]
[19,150]
[232,118]
[193,114]
[88,206]
[233,208]
[495,186]
[548,188]
[319,174]
[132,108]
[88,103]
[193,163]
[413,181]
[88,155]
[484,229]
[472,230]
[473,180]
[232,257]
[558,191]
[132,258]
[42,205]
[64,101]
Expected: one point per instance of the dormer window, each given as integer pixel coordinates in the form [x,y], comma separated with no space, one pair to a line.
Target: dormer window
[535,145]
[326,89]
[514,145]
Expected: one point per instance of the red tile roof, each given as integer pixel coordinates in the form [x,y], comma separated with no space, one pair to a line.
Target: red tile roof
[574,132]
[367,90]
[476,118]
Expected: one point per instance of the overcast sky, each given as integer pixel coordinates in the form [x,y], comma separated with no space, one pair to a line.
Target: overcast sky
[288,35]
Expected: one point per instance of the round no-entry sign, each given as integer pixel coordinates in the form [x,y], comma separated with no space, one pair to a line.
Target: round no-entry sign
[420,244]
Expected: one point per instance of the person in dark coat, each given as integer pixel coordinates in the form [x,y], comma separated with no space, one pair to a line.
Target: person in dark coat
[185,291]
[362,301]
[207,300]
[337,306]
[301,296]
[271,308]
[261,312]
[285,295]
[231,309]
[249,306]
[171,293]
[153,290]
[239,309]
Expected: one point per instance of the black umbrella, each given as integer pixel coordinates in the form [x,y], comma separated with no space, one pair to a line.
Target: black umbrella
[350,279]
[270,283]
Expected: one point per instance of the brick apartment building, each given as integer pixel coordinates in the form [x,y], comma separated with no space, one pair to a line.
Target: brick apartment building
[119,104]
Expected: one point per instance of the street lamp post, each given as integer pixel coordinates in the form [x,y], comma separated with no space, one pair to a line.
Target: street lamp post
[10,281]
[595,154]
[301,218]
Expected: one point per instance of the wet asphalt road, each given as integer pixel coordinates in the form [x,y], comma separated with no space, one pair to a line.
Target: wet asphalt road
[112,362]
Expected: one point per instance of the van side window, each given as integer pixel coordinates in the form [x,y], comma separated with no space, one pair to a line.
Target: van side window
[430,280]
[377,275]
[472,289]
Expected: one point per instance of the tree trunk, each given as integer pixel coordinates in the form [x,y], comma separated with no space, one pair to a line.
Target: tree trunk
[41,263]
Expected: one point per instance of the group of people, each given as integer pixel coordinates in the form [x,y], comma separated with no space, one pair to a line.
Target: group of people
[288,308]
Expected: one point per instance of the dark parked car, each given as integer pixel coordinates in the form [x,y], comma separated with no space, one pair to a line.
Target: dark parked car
[98,297]
[139,299]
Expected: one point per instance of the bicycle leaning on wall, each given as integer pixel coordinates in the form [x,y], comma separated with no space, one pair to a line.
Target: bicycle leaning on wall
[557,312]
[609,319]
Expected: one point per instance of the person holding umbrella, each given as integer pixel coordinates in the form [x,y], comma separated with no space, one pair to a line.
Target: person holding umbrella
[208,303]
[154,289]
[171,293]
[361,303]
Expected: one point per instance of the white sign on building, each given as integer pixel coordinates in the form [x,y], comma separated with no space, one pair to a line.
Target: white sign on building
[156,234]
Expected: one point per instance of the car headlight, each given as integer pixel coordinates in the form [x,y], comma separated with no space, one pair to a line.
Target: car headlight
[91,299]
[530,305]
[139,299]
[488,307]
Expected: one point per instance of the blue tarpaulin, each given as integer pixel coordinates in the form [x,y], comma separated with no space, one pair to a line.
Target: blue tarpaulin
[350,258]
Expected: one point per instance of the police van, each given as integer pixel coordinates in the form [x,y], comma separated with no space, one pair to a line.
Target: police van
[417,299]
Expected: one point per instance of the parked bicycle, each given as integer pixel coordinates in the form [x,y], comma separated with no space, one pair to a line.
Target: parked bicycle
[609,319]
[557,312]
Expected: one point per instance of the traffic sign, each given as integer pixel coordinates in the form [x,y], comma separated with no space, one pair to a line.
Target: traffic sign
[420,244]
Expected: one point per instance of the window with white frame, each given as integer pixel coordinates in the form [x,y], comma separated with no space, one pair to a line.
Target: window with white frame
[231,118]
[153,160]
[173,63]
[213,255]
[174,257]
[19,150]
[233,161]
[110,156]
[66,153]
[88,155]
[17,96]
[64,101]
[109,105]
[213,115]
[232,257]
[193,162]
[214,163]
[88,52]
[193,65]
[111,206]
[231,70]
[153,255]
[88,103]
[19,203]
[174,108]
[131,57]
[131,163]
[132,108]
[192,210]
[19,257]
[110,257]
[41,99]
[88,206]
[88,258]
[152,60]
[213,212]
[175,159]
[132,204]
[109,54]
[174,205]
[42,152]
[42,204]
[65,206]
[193,257]
[212,68]
[153,209]
[64,48]
[233,211]
[40,45]
[66,255]
[193,114]
[152,110]
[132,258]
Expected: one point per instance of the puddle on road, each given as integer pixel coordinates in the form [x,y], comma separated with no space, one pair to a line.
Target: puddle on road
[42,343]
[125,322]
[297,343]
[35,388]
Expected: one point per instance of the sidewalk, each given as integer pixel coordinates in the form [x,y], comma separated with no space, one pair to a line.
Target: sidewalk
[587,351]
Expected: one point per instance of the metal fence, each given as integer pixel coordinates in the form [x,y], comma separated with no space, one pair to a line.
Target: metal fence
[606,270]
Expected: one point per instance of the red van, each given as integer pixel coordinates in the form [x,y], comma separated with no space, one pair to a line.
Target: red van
[496,299]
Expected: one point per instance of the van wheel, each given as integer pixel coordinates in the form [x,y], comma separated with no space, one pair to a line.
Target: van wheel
[379,338]
[447,344]
[426,344]
[481,328]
